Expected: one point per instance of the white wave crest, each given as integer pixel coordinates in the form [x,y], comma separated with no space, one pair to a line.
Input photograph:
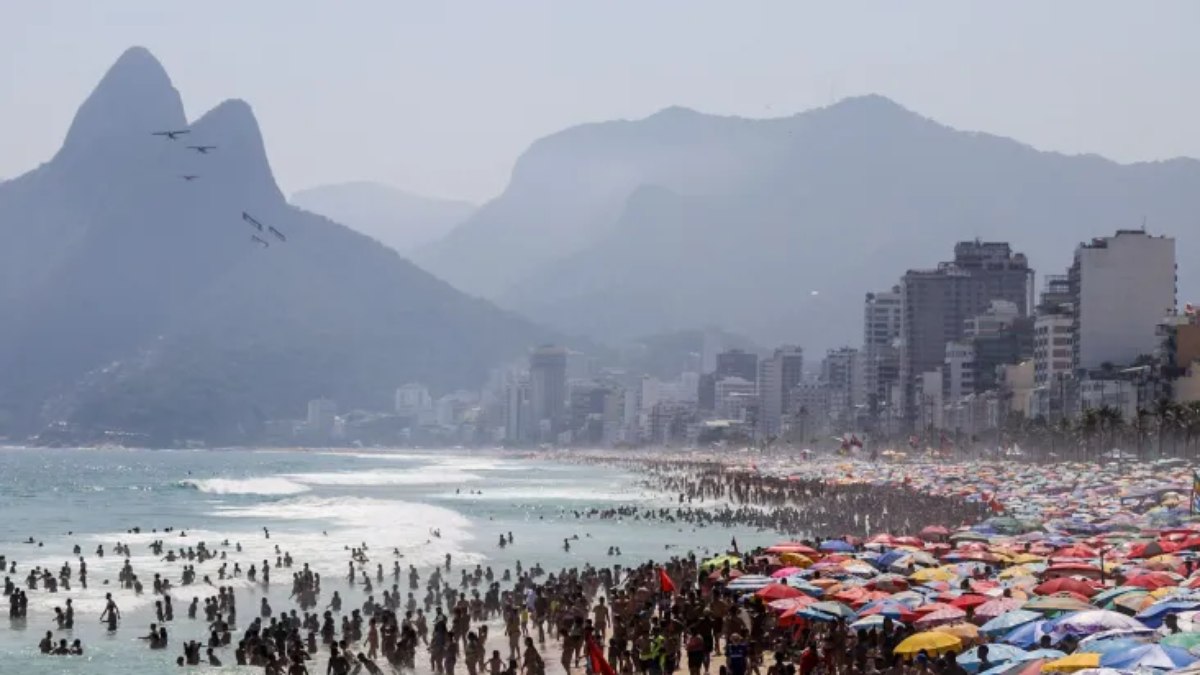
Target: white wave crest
[268,485]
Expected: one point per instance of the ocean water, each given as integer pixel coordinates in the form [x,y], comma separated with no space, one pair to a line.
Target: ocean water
[316,504]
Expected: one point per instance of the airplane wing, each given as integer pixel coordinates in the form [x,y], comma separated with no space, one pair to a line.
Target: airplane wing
[277,233]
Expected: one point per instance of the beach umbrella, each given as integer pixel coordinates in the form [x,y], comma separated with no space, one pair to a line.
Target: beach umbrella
[1028,634]
[931,642]
[932,574]
[968,600]
[1154,615]
[1069,584]
[1188,641]
[1131,603]
[1018,667]
[1006,623]
[785,604]
[796,560]
[812,615]
[1055,603]
[967,632]
[1017,571]
[890,583]
[778,592]
[836,545]
[784,572]
[720,561]
[940,617]
[1072,662]
[994,608]
[1107,595]
[1094,621]
[997,654]
[1047,654]
[793,547]
[1105,646]
[836,609]
[934,532]
[873,621]
[1148,656]
[1142,634]
[1154,580]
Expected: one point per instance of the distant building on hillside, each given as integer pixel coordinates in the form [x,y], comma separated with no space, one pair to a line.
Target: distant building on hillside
[548,389]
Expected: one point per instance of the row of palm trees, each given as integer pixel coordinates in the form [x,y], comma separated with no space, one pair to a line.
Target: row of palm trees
[1166,430]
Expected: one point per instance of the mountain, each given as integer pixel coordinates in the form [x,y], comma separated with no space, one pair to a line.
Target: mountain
[777,228]
[135,300]
[395,218]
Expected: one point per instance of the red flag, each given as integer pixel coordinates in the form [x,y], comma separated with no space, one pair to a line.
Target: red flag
[664,581]
[600,665]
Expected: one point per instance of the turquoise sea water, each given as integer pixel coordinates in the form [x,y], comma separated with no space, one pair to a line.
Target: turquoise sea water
[315,504]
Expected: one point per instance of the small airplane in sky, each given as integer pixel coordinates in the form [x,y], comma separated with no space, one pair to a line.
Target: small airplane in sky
[259,240]
[202,149]
[171,135]
[189,177]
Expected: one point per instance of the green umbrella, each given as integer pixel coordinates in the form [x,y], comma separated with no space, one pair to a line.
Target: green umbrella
[1182,640]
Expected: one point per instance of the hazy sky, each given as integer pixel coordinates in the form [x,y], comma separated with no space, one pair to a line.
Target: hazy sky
[440,98]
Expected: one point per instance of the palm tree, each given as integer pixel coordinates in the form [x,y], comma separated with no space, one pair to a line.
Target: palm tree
[1109,420]
[1089,426]
[1141,426]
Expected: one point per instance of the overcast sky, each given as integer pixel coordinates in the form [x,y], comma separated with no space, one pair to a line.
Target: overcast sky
[439,98]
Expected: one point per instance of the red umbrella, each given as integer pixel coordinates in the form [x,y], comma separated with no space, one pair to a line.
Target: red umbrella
[934,532]
[785,604]
[1153,580]
[793,547]
[1071,569]
[994,608]
[1069,584]
[908,541]
[969,600]
[1076,551]
[778,592]
[1152,548]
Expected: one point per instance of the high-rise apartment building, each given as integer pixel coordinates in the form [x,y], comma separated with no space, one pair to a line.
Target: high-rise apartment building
[777,377]
[938,302]
[548,390]
[1121,286]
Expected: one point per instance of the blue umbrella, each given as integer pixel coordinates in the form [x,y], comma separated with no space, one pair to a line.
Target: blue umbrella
[816,615]
[1106,646]
[1154,615]
[1006,622]
[1147,656]
[1048,654]
[1029,634]
[888,558]
[836,545]
[997,654]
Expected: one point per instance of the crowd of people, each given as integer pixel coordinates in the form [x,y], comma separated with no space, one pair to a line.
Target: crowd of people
[652,618]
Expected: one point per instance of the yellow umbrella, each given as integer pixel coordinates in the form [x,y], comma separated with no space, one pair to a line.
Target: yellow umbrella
[719,561]
[1022,558]
[1017,571]
[931,642]
[1072,663]
[932,574]
[968,633]
[796,560]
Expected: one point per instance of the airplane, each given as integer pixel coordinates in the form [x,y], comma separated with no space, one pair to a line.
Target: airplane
[256,239]
[171,135]
[189,177]
[254,223]
[202,149]
[277,233]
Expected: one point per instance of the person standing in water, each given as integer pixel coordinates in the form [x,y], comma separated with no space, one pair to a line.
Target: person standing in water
[110,614]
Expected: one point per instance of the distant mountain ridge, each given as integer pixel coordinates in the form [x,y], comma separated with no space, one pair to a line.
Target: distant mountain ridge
[682,219]
[134,300]
[400,220]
